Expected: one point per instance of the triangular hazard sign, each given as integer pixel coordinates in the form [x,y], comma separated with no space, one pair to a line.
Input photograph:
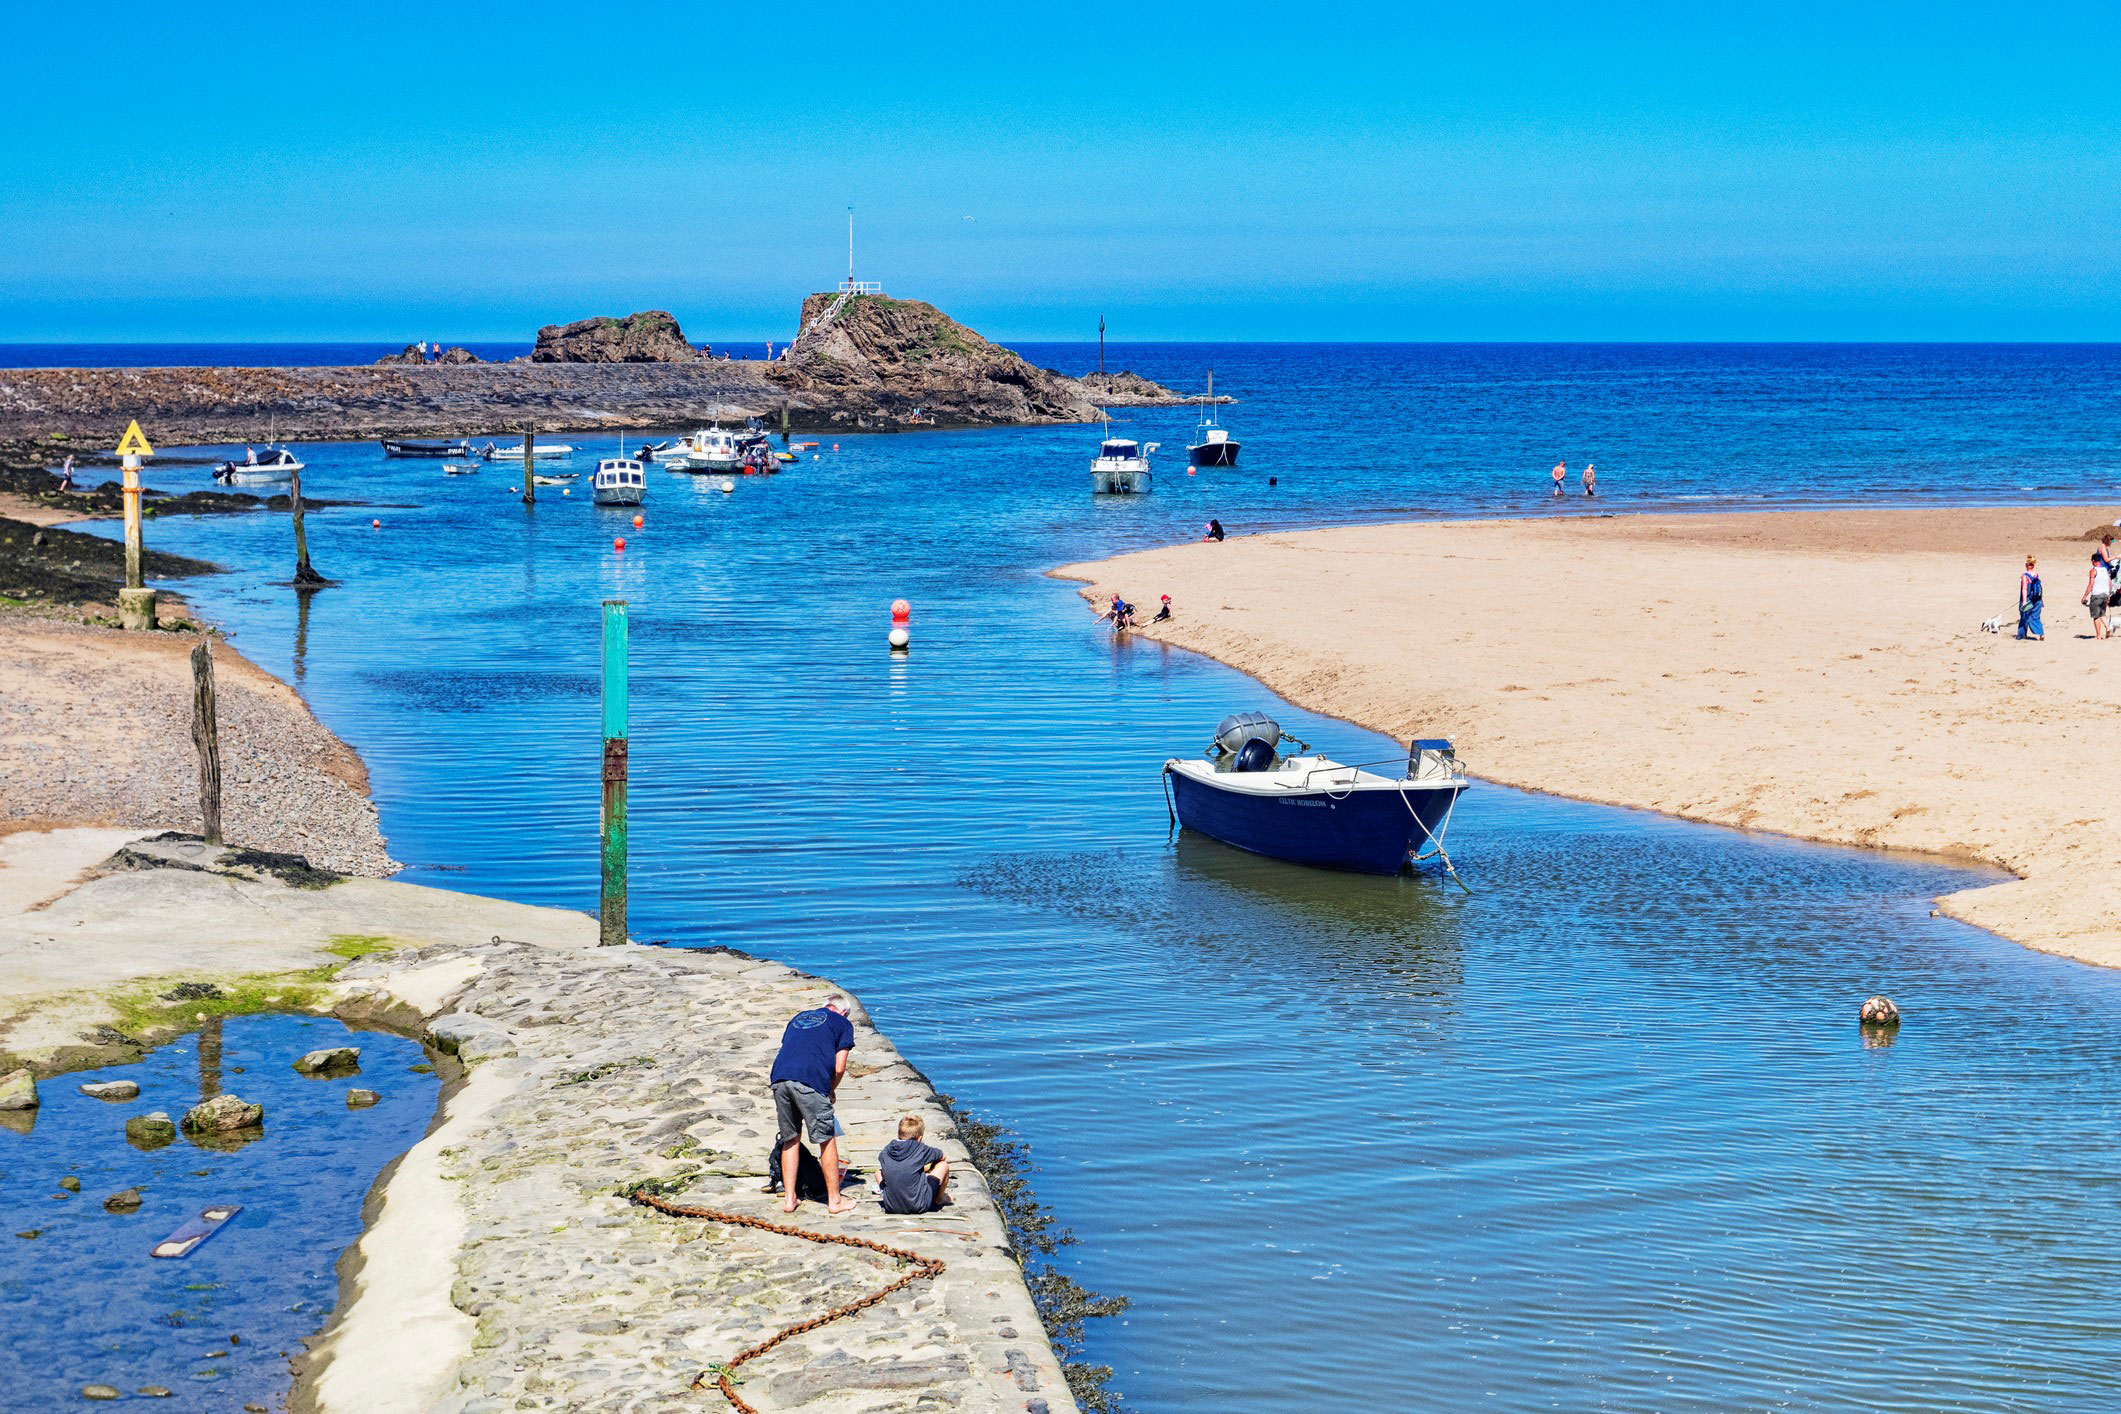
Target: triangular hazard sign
[134,442]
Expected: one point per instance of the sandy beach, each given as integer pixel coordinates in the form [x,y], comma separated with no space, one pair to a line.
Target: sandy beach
[1822,675]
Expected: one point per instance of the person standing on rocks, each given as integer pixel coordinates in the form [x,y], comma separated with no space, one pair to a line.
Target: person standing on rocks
[806,1074]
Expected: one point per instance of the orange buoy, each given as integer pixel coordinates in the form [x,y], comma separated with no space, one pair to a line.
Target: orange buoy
[901,611]
[1189,471]
[835,446]
[619,544]
[375,525]
[638,522]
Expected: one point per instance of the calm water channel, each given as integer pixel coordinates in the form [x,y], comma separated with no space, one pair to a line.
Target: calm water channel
[82,1303]
[1602,1134]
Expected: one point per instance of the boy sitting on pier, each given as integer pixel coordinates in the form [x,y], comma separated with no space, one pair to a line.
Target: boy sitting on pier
[913,1177]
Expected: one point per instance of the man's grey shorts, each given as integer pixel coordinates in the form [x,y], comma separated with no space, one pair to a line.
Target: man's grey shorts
[798,1107]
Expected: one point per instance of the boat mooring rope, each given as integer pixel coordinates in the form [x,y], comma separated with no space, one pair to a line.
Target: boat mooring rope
[924,1269]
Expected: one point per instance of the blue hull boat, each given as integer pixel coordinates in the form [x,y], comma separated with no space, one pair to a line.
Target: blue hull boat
[1308,809]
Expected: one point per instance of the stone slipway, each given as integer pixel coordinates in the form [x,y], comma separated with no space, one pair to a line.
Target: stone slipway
[502,1269]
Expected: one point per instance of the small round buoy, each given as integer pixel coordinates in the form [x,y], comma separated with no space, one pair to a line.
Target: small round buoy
[1274,481]
[901,638]
[835,446]
[727,486]
[1879,1011]
[638,522]
[1189,471]
[619,544]
[375,525]
[901,611]
[566,490]
[815,455]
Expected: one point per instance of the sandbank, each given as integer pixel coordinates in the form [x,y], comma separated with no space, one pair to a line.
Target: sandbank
[1817,674]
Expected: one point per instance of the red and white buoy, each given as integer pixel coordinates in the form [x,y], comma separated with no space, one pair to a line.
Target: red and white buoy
[901,625]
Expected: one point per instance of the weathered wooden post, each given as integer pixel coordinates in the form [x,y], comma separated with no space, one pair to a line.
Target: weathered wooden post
[530,485]
[206,735]
[611,910]
[304,574]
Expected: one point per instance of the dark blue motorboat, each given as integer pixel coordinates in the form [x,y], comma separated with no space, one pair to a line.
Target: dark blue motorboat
[1249,792]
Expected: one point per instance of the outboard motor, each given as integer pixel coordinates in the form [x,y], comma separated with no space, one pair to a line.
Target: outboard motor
[1240,727]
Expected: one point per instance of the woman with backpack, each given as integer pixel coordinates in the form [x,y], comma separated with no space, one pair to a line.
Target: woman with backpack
[2029,601]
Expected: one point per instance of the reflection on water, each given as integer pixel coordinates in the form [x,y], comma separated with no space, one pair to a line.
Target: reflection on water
[82,1303]
[1603,1133]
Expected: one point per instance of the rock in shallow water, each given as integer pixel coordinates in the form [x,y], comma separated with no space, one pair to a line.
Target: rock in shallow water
[361,1099]
[112,1090]
[126,1202]
[151,1131]
[18,1090]
[70,1184]
[100,1392]
[335,1060]
[222,1114]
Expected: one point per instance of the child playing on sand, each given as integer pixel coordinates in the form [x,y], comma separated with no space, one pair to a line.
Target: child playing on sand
[912,1177]
[2029,601]
[1164,612]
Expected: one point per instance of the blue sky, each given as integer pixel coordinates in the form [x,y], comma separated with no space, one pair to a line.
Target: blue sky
[1237,171]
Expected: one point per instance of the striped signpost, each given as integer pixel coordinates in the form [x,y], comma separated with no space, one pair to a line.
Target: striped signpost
[611,908]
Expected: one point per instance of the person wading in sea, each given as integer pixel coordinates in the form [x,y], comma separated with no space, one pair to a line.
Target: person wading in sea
[1590,479]
[806,1075]
[1561,474]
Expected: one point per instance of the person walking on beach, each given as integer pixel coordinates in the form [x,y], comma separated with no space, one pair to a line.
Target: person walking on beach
[1590,479]
[912,1177]
[2099,588]
[2029,600]
[806,1074]
[1561,474]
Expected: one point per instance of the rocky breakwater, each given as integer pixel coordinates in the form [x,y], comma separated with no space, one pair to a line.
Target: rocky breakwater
[859,361]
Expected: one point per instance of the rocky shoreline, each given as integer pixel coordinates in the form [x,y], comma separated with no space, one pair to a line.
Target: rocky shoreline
[504,1264]
[864,363]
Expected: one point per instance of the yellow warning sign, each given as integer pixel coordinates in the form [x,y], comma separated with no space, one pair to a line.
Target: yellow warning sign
[134,442]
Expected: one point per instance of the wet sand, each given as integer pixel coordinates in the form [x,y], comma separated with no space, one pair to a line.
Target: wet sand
[1816,674]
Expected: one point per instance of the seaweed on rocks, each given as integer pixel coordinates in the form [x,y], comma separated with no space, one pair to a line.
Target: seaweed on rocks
[1063,1303]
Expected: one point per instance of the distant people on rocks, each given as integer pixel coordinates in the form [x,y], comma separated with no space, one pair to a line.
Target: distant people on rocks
[1163,615]
[66,474]
[1215,531]
[2099,588]
[2029,600]
[912,1176]
[1590,479]
[806,1075]
[1561,475]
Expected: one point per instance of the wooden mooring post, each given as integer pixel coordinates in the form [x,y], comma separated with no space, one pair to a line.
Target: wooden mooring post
[530,484]
[206,735]
[611,907]
[304,573]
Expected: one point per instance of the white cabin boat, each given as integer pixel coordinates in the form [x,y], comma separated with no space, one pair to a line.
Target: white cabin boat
[619,481]
[1121,468]
[513,451]
[276,464]
[709,449]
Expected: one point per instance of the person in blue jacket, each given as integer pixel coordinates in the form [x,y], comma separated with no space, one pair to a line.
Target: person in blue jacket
[2029,600]
[806,1075]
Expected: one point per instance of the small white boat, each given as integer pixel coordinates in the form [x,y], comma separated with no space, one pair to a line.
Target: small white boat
[1121,468]
[277,464]
[513,451]
[538,478]
[709,449]
[452,469]
[619,481]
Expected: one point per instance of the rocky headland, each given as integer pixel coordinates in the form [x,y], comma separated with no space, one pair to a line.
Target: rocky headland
[859,362]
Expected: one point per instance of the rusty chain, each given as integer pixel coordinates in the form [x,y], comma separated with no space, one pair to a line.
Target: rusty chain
[924,1268]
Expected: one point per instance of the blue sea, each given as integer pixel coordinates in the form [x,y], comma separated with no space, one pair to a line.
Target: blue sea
[1600,1134]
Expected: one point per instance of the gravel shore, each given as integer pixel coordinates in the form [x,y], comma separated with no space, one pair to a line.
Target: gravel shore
[95,729]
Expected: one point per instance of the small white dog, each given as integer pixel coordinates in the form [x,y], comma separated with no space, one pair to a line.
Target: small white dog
[1994,625]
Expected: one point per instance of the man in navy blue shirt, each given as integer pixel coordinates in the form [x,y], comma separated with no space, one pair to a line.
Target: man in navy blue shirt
[806,1074]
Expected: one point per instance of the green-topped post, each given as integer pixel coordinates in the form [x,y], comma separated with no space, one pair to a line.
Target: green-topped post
[611,909]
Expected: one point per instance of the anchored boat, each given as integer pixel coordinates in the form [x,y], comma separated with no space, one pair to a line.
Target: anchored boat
[513,451]
[401,447]
[619,480]
[1250,791]
[1121,468]
[1216,446]
[278,464]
